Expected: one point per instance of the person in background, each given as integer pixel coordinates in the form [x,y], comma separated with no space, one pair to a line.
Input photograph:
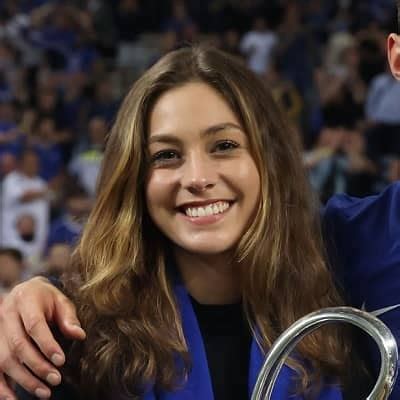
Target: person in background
[25,208]
[11,271]
[27,240]
[57,260]
[44,141]
[339,163]
[68,226]
[383,118]
[8,163]
[85,166]
[341,89]
[11,139]
[258,44]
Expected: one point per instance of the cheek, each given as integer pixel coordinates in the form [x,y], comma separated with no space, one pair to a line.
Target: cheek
[248,178]
[160,189]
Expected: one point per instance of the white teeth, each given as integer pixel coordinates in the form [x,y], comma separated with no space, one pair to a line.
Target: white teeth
[211,209]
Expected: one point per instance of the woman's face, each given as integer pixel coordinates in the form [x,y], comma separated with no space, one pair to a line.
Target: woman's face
[203,186]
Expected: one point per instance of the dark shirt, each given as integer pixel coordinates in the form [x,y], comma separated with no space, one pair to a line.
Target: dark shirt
[61,392]
[227,339]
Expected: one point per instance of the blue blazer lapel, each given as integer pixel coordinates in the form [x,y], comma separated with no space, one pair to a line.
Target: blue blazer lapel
[198,385]
[283,389]
[285,384]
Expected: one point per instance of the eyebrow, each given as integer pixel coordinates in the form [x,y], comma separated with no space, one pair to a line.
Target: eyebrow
[211,130]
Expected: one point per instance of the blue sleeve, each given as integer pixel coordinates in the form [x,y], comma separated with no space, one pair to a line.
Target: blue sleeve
[363,238]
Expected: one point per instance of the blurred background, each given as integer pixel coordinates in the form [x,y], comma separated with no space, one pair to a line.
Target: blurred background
[65,66]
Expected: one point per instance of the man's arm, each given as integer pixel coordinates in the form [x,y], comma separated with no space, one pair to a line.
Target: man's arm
[27,343]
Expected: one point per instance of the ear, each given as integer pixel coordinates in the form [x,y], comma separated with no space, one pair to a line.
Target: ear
[393,52]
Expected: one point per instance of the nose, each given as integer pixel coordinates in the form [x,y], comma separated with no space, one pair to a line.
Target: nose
[199,173]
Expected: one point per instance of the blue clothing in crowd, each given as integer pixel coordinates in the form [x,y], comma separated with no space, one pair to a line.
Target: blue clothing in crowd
[50,156]
[64,230]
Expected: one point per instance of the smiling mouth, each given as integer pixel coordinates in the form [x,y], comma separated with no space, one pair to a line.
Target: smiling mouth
[219,207]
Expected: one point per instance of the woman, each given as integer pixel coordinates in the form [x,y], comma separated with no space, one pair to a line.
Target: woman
[203,210]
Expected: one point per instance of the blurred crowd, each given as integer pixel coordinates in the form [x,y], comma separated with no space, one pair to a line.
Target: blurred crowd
[65,66]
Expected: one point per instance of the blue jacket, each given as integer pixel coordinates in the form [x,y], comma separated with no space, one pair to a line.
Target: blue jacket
[363,237]
[198,385]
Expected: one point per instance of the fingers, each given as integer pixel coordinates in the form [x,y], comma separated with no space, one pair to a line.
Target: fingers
[36,326]
[24,377]
[66,318]
[51,306]
[16,344]
[24,354]
[24,317]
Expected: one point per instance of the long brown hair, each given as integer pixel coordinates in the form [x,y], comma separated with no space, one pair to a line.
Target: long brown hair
[123,292]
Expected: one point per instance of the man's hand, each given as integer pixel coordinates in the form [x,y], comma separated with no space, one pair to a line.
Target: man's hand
[27,346]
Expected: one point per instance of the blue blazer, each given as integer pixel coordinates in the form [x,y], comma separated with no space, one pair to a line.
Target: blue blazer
[198,385]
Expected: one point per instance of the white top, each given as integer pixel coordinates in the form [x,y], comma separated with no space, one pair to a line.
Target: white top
[14,186]
[258,46]
[86,166]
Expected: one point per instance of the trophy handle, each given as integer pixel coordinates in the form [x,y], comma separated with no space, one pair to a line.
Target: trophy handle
[287,341]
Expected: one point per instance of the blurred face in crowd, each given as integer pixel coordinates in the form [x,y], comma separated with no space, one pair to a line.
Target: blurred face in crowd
[104,90]
[47,100]
[97,130]
[46,128]
[179,9]
[78,206]
[203,186]
[26,227]
[7,112]
[6,55]
[58,258]
[8,163]
[128,5]
[10,271]
[354,142]
[29,164]
[260,24]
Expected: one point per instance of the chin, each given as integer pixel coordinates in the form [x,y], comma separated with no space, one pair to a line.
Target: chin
[207,249]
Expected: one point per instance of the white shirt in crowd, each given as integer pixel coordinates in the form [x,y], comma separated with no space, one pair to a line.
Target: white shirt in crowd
[15,184]
[258,46]
[86,167]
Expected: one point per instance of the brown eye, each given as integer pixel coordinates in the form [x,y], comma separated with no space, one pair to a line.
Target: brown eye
[225,145]
[165,156]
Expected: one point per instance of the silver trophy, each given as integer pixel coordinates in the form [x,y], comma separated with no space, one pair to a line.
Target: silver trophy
[289,339]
